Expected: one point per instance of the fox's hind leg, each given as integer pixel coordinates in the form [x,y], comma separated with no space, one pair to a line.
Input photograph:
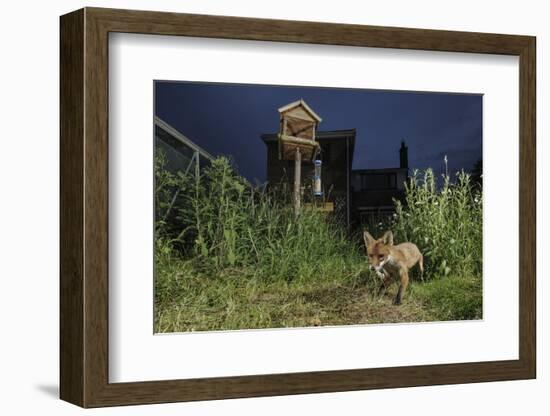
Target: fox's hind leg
[402,286]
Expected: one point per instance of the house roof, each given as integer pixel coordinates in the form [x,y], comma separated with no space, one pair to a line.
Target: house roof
[323,136]
[303,104]
[336,134]
[319,135]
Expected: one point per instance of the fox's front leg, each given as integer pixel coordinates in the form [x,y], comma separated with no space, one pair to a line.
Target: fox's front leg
[386,280]
[404,275]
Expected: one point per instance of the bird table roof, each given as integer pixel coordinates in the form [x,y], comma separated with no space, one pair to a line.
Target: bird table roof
[297,105]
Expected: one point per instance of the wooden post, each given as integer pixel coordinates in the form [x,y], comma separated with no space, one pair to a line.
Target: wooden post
[297,178]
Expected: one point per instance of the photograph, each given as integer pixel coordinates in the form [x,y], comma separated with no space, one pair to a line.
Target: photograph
[288,206]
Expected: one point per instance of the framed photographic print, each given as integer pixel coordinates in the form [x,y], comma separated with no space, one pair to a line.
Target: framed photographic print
[255,207]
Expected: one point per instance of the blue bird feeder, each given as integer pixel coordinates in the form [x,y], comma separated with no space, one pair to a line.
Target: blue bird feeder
[317,189]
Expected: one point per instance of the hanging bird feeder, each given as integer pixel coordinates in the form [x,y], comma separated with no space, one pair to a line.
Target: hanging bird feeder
[317,189]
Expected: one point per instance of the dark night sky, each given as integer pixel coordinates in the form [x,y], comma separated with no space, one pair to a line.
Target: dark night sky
[229,119]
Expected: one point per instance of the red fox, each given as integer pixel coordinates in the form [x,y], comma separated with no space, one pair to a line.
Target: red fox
[391,261]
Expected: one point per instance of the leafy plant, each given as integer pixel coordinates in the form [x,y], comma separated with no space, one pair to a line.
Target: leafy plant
[231,255]
[219,221]
[445,223]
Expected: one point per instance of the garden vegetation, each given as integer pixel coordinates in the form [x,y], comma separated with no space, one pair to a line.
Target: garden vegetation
[230,255]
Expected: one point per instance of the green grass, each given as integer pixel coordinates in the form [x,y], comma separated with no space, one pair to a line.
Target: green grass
[189,302]
[232,256]
[451,298]
[221,222]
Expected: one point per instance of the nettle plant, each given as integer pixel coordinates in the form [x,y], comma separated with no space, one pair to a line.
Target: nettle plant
[445,223]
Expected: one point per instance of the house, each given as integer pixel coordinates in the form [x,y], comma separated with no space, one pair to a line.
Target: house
[336,151]
[373,190]
[358,195]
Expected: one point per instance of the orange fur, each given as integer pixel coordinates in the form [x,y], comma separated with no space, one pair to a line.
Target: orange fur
[390,261]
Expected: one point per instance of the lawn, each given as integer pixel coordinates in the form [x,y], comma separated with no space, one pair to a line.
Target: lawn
[229,301]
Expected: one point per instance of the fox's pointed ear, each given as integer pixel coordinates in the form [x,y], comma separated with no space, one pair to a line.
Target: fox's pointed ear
[367,238]
[388,238]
